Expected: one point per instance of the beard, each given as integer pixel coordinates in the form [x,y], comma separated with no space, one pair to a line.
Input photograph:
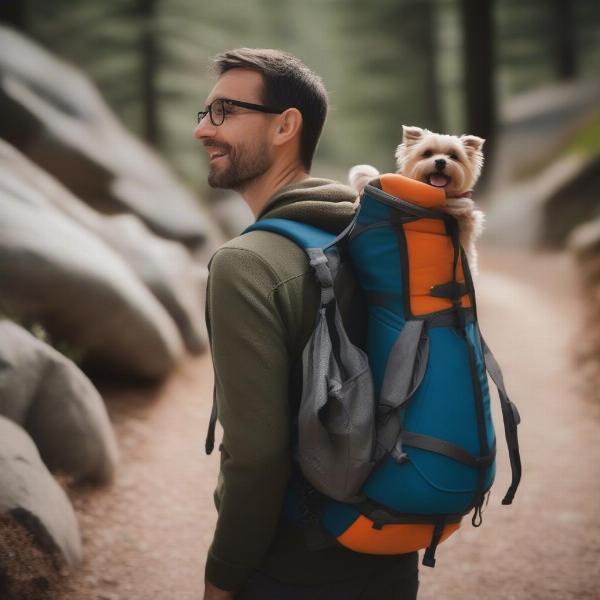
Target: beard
[245,164]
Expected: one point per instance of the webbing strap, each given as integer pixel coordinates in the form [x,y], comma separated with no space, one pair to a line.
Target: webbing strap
[325,266]
[432,444]
[209,443]
[212,423]
[511,418]
[398,385]
[436,536]
[452,290]
[384,515]
[210,435]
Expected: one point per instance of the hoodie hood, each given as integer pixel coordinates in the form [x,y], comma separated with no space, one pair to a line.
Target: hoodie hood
[323,203]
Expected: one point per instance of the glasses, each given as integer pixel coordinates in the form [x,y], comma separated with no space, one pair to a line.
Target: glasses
[217,111]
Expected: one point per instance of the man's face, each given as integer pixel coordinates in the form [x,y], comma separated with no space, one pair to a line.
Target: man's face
[239,150]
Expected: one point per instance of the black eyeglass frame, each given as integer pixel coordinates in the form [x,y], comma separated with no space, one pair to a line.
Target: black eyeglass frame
[249,105]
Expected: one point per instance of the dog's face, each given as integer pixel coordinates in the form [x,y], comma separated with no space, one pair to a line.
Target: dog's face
[445,161]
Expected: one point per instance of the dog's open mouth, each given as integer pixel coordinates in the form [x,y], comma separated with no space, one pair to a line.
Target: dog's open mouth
[438,179]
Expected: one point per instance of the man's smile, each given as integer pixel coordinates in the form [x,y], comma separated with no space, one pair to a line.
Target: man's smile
[215,156]
[215,152]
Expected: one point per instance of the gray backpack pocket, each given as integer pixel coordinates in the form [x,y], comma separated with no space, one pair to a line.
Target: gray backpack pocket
[336,421]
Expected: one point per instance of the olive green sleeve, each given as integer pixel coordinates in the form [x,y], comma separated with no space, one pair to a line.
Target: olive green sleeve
[251,365]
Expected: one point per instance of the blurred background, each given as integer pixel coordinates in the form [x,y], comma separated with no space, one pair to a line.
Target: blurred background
[107,225]
[448,65]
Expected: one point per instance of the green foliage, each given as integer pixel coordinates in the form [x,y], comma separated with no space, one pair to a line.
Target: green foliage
[586,139]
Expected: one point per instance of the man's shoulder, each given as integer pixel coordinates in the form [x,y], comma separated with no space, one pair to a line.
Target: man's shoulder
[263,250]
[269,272]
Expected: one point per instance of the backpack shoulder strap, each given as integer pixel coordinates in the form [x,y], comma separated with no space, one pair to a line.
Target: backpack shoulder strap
[510,416]
[304,235]
[321,247]
[315,242]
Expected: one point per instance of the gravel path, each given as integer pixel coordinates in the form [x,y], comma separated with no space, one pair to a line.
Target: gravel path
[145,537]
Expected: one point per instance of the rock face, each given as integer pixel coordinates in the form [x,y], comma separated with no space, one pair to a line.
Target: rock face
[30,496]
[59,407]
[54,115]
[584,243]
[54,271]
[572,204]
[164,266]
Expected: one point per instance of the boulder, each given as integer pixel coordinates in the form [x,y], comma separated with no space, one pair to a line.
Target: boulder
[584,244]
[47,394]
[164,266]
[55,115]
[574,202]
[31,498]
[584,240]
[54,271]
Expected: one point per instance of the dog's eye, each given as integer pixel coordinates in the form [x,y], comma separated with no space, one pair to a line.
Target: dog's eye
[427,153]
[453,156]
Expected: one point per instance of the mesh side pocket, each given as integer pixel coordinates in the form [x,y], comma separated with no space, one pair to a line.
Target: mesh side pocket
[336,422]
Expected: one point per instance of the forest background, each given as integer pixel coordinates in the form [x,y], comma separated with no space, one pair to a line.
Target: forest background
[448,65]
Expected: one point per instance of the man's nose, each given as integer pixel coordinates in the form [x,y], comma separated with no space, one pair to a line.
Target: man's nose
[204,129]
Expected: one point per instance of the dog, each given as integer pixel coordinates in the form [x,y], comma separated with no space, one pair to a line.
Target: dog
[445,161]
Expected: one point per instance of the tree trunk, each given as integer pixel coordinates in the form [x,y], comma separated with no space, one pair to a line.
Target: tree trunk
[14,13]
[430,77]
[565,58]
[479,69]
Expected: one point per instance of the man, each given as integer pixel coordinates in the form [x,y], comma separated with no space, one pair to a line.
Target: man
[260,126]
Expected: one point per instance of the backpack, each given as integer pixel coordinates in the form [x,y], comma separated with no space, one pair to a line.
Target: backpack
[398,437]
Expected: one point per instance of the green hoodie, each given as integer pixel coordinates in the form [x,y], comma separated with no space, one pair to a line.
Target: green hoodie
[262,300]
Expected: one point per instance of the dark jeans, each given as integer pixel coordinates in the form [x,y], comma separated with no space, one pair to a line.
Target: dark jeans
[383,584]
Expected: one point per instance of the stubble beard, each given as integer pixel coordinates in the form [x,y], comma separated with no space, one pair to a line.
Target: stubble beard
[245,165]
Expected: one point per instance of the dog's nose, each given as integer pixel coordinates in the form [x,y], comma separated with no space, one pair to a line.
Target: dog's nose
[440,164]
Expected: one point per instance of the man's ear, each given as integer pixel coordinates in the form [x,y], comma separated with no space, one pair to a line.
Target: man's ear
[288,126]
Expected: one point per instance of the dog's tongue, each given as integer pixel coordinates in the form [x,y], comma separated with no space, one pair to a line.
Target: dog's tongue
[438,180]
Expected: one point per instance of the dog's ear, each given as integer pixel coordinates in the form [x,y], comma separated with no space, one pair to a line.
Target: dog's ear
[472,142]
[411,135]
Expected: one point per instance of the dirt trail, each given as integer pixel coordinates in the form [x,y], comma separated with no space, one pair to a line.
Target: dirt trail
[145,537]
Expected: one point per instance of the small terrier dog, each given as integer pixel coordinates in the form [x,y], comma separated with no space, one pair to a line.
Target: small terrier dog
[445,161]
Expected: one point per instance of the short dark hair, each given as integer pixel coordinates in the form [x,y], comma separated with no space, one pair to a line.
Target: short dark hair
[288,83]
